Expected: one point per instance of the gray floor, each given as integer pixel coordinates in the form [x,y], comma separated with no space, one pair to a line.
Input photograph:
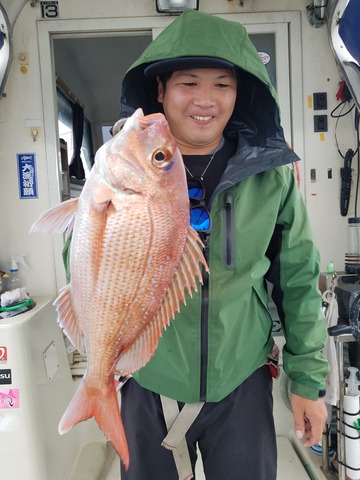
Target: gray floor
[98,461]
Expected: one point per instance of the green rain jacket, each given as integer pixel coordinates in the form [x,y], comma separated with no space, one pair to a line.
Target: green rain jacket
[260,231]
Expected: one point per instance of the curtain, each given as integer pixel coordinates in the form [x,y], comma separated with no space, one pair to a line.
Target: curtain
[76,166]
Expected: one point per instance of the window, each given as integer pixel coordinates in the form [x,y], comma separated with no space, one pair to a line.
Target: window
[65,125]
[105,133]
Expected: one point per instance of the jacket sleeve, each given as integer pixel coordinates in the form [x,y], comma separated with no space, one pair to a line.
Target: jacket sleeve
[294,273]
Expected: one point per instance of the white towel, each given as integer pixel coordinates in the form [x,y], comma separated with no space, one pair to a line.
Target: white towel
[12,297]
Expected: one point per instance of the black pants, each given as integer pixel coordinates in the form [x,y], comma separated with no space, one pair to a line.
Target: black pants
[236,436]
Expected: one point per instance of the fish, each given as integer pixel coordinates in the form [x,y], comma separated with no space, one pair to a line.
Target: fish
[133,257]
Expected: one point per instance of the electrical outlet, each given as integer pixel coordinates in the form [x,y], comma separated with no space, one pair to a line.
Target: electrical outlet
[320,123]
[320,101]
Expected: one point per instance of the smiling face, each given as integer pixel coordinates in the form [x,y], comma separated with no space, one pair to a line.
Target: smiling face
[197,104]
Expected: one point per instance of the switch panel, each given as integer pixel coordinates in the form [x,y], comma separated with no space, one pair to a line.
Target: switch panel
[320,101]
[320,123]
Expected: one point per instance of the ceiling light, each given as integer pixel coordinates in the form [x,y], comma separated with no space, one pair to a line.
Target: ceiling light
[176,6]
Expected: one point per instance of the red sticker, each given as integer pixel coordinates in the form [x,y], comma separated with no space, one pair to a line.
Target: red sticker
[3,354]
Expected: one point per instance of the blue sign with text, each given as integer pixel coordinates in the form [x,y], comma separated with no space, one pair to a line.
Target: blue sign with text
[27,175]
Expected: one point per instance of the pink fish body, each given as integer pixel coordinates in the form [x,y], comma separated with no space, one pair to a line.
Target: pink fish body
[133,253]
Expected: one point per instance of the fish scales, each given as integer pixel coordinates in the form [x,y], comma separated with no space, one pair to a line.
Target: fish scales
[133,253]
[129,289]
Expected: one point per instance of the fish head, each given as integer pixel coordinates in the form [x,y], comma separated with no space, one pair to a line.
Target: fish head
[144,159]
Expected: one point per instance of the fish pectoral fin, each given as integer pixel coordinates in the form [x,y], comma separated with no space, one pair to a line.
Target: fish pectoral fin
[67,320]
[185,277]
[57,219]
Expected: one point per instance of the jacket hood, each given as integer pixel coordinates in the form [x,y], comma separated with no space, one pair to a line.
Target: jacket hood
[256,115]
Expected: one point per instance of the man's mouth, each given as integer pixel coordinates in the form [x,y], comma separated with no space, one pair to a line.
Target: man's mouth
[200,118]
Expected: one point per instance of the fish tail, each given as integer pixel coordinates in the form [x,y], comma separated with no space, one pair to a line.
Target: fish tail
[104,407]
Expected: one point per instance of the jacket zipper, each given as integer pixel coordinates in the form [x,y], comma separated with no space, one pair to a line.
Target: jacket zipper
[228,246]
[204,327]
[228,231]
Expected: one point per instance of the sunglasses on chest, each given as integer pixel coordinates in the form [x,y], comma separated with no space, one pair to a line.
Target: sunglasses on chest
[199,214]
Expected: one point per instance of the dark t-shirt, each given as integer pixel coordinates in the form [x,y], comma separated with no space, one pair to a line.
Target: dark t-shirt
[196,164]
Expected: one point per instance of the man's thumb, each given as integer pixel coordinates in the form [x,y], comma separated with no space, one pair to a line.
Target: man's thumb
[298,414]
[299,426]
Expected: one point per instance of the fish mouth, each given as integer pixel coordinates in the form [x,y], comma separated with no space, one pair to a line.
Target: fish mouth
[151,119]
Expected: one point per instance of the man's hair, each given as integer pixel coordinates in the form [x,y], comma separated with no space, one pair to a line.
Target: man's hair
[163,79]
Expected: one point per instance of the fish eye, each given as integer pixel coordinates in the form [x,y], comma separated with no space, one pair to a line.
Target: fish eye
[161,158]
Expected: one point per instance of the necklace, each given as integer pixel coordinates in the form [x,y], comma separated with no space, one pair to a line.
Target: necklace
[208,165]
[205,170]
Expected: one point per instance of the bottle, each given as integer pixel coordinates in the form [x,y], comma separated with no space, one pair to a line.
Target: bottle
[330,269]
[15,279]
[351,418]
[2,275]
[330,275]
[353,383]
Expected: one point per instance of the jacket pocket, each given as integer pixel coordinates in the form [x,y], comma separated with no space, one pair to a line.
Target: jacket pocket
[228,231]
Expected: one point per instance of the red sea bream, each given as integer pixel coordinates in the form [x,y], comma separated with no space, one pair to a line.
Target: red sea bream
[133,253]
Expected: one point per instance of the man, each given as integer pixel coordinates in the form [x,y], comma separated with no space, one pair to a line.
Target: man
[204,74]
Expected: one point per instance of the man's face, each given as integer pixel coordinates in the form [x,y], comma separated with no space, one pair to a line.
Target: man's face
[197,104]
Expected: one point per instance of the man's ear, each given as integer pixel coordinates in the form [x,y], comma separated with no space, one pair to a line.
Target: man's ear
[160,96]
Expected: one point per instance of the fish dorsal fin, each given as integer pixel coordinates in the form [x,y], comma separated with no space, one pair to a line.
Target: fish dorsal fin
[185,277]
[67,321]
[57,219]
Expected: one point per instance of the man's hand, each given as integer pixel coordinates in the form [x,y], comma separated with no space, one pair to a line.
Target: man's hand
[310,417]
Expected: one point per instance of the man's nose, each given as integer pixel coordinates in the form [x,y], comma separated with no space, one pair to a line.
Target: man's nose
[204,98]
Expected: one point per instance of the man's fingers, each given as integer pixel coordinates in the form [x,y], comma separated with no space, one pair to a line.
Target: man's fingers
[309,419]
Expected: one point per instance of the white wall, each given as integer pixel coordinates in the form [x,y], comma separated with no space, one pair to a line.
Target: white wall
[24,101]
[320,74]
